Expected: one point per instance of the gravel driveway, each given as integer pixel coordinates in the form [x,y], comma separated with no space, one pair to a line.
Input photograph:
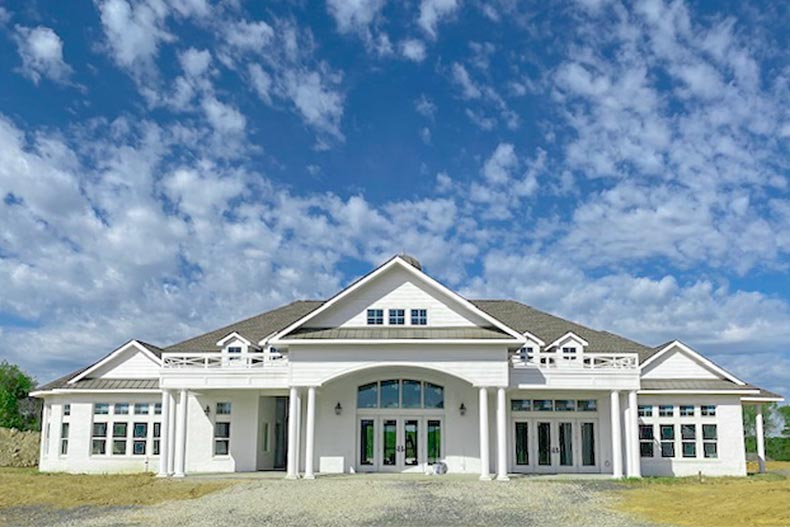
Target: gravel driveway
[375,500]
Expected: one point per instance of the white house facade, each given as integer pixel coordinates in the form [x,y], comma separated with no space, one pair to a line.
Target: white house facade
[398,373]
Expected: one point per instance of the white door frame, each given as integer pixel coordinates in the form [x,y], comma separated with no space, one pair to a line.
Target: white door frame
[400,417]
[554,421]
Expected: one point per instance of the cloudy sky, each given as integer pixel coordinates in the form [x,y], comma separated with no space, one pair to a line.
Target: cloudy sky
[168,167]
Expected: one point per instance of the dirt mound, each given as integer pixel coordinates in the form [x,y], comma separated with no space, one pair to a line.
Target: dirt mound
[18,449]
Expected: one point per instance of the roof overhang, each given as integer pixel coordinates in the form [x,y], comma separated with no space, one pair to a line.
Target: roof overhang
[761,399]
[113,355]
[534,338]
[696,356]
[569,335]
[385,342]
[61,391]
[710,392]
[420,275]
[231,336]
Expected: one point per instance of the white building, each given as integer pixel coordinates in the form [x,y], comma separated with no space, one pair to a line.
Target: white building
[398,373]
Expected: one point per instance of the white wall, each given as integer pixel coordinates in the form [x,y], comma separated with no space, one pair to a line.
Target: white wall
[677,365]
[729,421]
[397,289]
[131,364]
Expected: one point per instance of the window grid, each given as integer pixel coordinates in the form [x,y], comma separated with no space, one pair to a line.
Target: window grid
[375,317]
[419,317]
[397,317]
[400,393]
[678,436]
[129,433]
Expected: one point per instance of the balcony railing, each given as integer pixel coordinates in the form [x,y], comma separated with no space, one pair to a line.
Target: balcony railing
[223,361]
[589,361]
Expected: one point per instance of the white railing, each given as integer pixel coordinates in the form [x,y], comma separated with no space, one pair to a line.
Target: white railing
[223,361]
[590,361]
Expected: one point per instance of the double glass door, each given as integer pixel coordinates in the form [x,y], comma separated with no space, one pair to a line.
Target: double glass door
[398,443]
[555,445]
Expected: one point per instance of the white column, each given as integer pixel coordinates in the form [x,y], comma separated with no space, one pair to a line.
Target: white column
[44,447]
[617,446]
[164,435]
[181,436]
[292,416]
[501,435]
[299,416]
[485,464]
[760,438]
[632,431]
[310,435]
[171,434]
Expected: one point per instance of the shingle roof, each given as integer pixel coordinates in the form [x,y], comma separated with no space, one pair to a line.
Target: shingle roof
[384,333]
[549,328]
[705,384]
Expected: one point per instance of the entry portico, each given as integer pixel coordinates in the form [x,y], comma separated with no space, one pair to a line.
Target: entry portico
[399,373]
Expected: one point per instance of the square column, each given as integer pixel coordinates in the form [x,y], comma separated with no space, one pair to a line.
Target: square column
[164,436]
[501,434]
[632,437]
[292,466]
[181,436]
[760,433]
[617,443]
[309,448]
[171,433]
[485,463]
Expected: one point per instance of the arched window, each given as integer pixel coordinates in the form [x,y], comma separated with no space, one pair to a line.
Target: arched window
[400,393]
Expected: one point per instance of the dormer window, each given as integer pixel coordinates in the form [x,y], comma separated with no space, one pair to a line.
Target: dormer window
[234,349]
[375,317]
[419,317]
[397,317]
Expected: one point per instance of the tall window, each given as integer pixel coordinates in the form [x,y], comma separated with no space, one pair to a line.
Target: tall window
[127,430]
[157,438]
[397,317]
[120,432]
[67,409]
[419,317]
[222,429]
[688,437]
[646,441]
[99,439]
[709,439]
[667,440]
[64,439]
[140,438]
[375,317]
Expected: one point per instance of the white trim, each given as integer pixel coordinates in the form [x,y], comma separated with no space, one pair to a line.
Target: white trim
[534,338]
[571,335]
[398,260]
[694,355]
[61,391]
[232,335]
[324,342]
[114,354]
[760,400]
[718,392]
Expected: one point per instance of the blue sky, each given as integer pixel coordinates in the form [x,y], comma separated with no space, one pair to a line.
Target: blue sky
[167,167]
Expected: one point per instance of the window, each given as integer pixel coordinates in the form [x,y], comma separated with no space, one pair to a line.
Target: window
[400,393]
[119,432]
[157,436]
[645,410]
[419,317]
[64,439]
[688,436]
[234,350]
[375,317]
[140,435]
[542,405]
[141,409]
[390,394]
[646,440]
[101,409]
[434,396]
[569,353]
[66,409]
[368,396]
[587,405]
[709,438]
[99,439]
[397,317]
[563,405]
[411,394]
[221,438]
[520,405]
[686,411]
[223,408]
[158,409]
[707,410]
[120,408]
[666,410]
[667,440]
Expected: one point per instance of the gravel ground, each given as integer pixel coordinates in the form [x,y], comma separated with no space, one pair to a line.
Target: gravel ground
[375,500]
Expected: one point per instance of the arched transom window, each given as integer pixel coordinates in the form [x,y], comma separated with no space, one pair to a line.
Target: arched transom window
[400,393]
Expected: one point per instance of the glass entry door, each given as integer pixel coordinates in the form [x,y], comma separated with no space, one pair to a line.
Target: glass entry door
[554,445]
[398,443]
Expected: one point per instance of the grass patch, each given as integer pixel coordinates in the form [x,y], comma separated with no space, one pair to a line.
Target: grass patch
[759,500]
[27,487]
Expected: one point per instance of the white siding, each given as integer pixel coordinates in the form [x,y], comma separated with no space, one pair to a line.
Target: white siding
[131,364]
[397,289]
[678,365]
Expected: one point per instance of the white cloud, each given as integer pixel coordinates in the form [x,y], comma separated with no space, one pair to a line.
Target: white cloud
[434,11]
[354,15]
[425,135]
[469,89]
[249,36]
[223,117]
[413,49]
[427,108]
[499,167]
[261,82]
[41,50]
[319,105]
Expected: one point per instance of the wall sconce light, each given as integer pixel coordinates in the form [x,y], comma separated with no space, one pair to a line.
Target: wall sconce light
[207,410]
[462,409]
[338,409]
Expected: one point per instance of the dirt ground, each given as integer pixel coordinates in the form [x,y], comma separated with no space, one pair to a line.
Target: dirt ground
[18,449]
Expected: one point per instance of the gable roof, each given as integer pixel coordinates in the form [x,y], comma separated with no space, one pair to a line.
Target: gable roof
[701,359]
[413,267]
[400,333]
